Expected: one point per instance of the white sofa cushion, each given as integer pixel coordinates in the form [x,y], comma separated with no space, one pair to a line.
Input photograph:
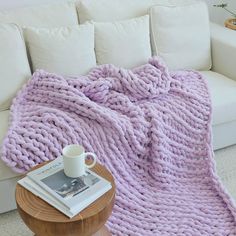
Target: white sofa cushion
[224,135]
[123,43]
[223,48]
[67,50]
[181,35]
[14,69]
[223,94]
[53,15]
[114,10]
[5,171]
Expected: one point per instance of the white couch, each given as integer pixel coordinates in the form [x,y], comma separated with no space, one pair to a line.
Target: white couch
[221,80]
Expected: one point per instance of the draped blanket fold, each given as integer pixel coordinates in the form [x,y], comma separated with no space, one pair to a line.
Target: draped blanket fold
[149,126]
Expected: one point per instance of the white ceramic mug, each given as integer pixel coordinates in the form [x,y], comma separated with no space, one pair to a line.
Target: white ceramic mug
[74,157]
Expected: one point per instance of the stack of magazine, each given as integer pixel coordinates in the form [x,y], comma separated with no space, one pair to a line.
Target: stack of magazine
[68,195]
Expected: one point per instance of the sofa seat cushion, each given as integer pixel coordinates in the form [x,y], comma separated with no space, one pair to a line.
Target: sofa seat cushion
[5,172]
[223,95]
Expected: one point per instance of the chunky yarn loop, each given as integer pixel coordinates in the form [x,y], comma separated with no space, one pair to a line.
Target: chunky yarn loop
[150,127]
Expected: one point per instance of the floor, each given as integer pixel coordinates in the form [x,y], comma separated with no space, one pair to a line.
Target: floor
[12,225]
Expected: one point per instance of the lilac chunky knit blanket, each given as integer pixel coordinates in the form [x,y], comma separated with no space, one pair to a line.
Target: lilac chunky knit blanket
[150,127]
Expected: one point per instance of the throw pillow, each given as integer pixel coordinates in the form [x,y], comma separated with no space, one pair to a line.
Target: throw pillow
[124,43]
[67,50]
[181,35]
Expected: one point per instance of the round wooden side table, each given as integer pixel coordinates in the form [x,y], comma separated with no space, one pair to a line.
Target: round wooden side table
[45,220]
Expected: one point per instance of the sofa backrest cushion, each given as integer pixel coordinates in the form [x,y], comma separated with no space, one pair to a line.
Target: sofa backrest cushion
[14,66]
[53,15]
[123,43]
[181,35]
[115,10]
[66,50]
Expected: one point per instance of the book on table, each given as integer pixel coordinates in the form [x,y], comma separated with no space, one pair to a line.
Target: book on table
[68,195]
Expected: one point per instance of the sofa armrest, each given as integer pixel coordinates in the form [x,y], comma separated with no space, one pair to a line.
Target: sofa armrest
[223,47]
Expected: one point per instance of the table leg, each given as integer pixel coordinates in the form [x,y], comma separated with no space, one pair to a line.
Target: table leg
[102,232]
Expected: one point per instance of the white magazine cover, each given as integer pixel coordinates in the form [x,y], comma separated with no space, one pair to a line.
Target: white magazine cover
[72,192]
[30,185]
[27,183]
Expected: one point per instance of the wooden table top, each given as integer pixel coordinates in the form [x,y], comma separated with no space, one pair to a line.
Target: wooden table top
[37,208]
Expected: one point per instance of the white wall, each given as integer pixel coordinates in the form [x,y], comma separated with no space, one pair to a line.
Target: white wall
[216,14]
[219,15]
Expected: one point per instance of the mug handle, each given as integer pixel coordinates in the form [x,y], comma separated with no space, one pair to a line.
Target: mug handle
[94,159]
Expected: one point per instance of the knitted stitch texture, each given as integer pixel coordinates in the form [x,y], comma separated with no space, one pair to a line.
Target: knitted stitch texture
[150,127]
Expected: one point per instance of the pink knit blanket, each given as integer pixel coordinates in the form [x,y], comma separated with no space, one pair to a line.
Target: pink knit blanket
[150,127]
